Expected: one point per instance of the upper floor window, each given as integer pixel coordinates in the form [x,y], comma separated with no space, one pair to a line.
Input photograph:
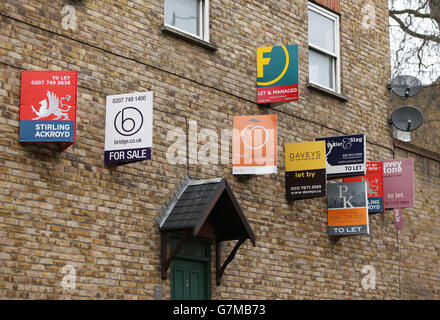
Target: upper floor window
[324,56]
[188,16]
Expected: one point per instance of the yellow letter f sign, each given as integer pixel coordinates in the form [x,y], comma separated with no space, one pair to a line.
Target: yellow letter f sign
[261,61]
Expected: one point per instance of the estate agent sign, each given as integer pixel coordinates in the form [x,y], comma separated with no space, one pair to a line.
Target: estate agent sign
[48,106]
[305,170]
[129,127]
[347,208]
[398,175]
[254,145]
[374,180]
[346,156]
[277,74]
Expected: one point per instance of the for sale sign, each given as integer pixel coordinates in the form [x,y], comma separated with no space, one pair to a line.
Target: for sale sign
[374,180]
[128,127]
[305,170]
[48,106]
[346,156]
[277,74]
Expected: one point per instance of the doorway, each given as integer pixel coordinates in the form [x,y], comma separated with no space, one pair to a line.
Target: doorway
[190,270]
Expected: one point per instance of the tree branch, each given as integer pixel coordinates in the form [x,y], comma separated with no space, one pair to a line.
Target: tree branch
[411,12]
[412,33]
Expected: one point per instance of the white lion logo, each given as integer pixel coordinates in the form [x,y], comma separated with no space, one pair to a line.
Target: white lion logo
[52,106]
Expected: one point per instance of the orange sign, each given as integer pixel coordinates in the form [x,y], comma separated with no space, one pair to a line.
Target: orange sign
[254,145]
[347,217]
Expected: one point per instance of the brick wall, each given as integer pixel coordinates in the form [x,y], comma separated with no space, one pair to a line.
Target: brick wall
[68,208]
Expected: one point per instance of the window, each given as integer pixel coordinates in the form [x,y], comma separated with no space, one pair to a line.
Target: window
[188,16]
[324,64]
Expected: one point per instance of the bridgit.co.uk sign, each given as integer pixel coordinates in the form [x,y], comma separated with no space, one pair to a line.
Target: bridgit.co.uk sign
[129,127]
[277,74]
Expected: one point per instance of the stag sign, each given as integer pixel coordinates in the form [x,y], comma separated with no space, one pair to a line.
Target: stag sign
[346,156]
[48,106]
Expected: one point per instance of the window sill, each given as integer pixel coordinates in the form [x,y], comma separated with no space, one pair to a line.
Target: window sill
[188,37]
[339,96]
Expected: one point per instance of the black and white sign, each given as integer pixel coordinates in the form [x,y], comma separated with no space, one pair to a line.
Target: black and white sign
[345,156]
[129,127]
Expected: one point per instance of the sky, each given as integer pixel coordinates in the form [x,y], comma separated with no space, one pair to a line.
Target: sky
[404,47]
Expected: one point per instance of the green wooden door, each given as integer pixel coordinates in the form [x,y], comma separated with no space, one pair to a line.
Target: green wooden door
[190,271]
[189,280]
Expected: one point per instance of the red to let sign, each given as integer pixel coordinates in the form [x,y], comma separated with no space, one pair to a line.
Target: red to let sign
[48,106]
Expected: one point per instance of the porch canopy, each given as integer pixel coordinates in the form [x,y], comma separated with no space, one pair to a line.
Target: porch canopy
[204,208]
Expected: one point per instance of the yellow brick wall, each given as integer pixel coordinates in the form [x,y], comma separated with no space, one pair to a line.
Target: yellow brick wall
[68,208]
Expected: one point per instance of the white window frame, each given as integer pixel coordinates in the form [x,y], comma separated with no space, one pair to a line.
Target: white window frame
[337,55]
[203,23]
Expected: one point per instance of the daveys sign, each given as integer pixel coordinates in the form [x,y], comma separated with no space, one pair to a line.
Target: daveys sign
[374,180]
[254,145]
[305,170]
[345,156]
[129,127]
[347,208]
[277,74]
[48,106]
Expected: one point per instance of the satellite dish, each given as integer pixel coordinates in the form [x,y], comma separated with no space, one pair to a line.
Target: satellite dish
[405,86]
[407,118]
